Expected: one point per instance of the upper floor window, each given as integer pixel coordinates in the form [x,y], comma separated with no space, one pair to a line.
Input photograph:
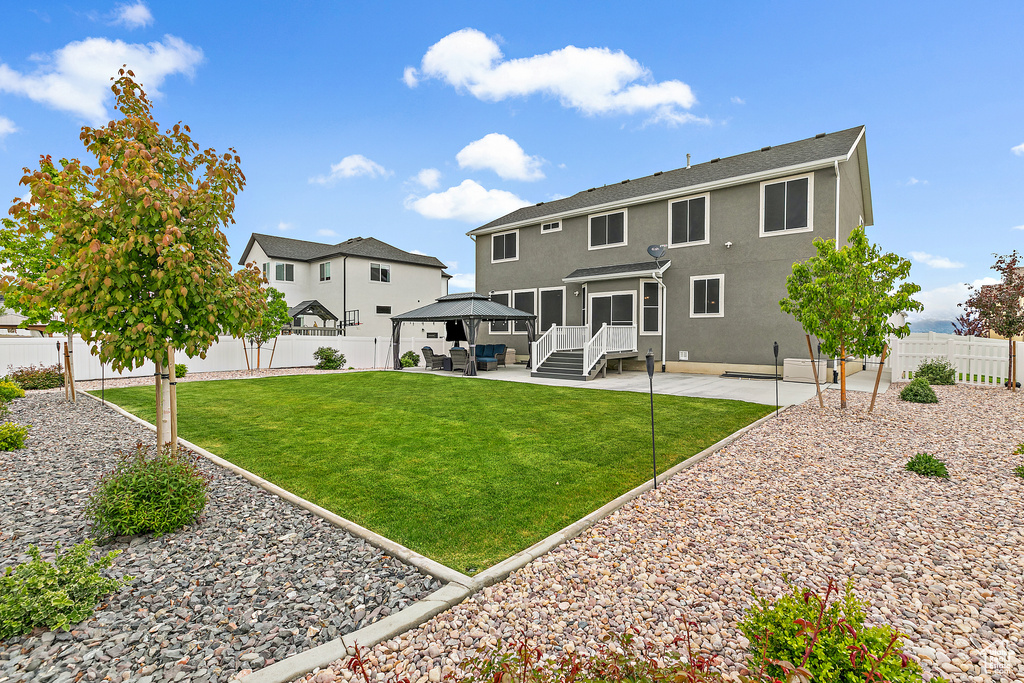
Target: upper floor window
[786,205]
[383,310]
[706,296]
[688,221]
[380,272]
[325,272]
[505,246]
[266,271]
[551,227]
[284,272]
[608,230]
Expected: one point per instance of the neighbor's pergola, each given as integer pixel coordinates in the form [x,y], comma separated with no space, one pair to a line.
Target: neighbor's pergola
[468,307]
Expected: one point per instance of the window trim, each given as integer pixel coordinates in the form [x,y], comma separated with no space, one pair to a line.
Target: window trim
[502,234]
[707,220]
[321,271]
[381,266]
[512,304]
[557,228]
[625,229]
[810,206]
[379,306]
[538,311]
[490,324]
[661,297]
[721,295]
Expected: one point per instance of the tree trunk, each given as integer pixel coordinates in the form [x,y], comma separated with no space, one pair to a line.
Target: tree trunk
[165,407]
[245,352]
[878,377]
[159,407]
[71,366]
[814,369]
[842,375]
[1012,374]
[258,361]
[174,399]
[271,362]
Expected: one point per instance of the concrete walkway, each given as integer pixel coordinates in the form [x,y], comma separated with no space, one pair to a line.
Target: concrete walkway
[683,384]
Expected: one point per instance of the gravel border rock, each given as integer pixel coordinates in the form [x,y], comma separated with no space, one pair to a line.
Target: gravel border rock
[816,493]
[253,581]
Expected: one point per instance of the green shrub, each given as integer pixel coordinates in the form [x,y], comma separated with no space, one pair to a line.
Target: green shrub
[159,493]
[936,371]
[410,359]
[1019,471]
[1019,450]
[843,649]
[328,358]
[10,391]
[38,377]
[12,436]
[54,595]
[180,370]
[927,465]
[918,391]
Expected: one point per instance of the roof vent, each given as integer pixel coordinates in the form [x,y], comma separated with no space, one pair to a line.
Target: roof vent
[625,181]
[657,172]
[591,189]
[539,204]
[715,160]
[765,149]
[820,135]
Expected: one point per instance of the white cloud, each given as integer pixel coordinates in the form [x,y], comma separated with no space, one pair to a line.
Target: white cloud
[428,178]
[593,80]
[503,155]
[941,303]
[324,232]
[76,78]
[915,181]
[468,202]
[934,261]
[6,127]
[1018,227]
[285,227]
[462,282]
[1018,150]
[350,167]
[738,100]
[133,16]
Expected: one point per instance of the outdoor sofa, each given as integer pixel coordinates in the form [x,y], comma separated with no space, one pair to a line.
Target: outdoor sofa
[490,353]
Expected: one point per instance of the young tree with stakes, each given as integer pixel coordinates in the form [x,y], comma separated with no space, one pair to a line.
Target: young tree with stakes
[148,268]
[847,297]
[269,324]
[1001,306]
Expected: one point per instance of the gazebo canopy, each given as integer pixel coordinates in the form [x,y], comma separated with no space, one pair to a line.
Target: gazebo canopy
[469,307]
[311,307]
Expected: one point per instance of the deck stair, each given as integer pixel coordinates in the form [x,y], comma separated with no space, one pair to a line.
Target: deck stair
[567,353]
[566,365]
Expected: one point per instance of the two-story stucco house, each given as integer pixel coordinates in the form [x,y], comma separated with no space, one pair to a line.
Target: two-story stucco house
[362,282]
[732,229]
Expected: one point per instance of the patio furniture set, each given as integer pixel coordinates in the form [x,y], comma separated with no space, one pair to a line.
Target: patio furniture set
[488,357]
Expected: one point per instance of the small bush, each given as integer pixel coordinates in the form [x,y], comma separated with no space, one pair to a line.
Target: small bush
[180,370]
[37,376]
[1019,471]
[10,391]
[144,494]
[1019,450]
[919,391]
[410,359]
[927,465]
[936,371]
[328,358]
[12,436]
[54,595]
[825,636]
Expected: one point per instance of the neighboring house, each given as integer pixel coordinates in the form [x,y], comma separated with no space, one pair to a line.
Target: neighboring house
[360,282]
[733,228]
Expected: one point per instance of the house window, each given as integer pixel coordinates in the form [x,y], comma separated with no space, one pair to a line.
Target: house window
[552,308]
[380,272]
[285,272]
[706,296]
[383,310]
[608,230]
[551,227]
[525,301]
[325,272]
[786,205]
[651,319]
[432,335]
[500,326]
[505,246]
[266,271]
[688,221]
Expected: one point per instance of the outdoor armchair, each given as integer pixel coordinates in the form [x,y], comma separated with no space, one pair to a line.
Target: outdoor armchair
[460,358]
[433,361]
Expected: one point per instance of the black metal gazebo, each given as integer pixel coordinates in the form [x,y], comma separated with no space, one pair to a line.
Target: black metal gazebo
[468,307]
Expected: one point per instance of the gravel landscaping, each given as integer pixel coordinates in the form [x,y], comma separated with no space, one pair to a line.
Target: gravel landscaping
[813,494]
[256,579]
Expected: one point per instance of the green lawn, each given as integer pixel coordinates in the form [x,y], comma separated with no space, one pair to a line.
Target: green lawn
[466,472]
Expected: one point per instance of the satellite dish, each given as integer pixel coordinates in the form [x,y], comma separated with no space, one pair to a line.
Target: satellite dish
[656,250]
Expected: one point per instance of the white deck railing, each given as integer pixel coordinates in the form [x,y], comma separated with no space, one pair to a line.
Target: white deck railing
[616,338]
[558,338]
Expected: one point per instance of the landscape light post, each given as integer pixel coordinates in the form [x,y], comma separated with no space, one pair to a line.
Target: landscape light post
[776,348]
[650,376]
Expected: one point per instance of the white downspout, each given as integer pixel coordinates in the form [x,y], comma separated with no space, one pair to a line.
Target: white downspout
[664,316]
[837,203]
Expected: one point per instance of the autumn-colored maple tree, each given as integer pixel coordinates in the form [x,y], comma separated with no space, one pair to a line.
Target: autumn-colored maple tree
[141,264]
[1001,306]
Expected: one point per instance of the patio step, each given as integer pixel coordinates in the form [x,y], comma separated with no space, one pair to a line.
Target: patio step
[564,365]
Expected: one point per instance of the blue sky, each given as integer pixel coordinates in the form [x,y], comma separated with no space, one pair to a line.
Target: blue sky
[415,122]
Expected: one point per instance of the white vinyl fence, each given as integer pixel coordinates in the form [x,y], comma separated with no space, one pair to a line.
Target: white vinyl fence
[978,361]
[228,354]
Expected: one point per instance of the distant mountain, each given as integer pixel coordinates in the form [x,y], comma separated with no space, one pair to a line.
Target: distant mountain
[943,326]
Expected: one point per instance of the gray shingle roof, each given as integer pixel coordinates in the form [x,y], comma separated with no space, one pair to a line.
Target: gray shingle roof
[463,305]
[311,307]
[818,148]
[366,247]
[623,269]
